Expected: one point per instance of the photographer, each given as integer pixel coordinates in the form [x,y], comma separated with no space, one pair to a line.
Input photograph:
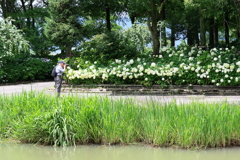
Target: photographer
[60,69]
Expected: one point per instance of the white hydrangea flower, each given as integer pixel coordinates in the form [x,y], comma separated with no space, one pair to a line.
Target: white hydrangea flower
[191,58]
[153,64]
[131,61]
[182,65]
[226,65]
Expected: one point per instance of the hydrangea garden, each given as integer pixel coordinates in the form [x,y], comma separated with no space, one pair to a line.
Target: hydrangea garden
[176,66]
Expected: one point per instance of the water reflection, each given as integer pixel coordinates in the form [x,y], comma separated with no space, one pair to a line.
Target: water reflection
[13,151]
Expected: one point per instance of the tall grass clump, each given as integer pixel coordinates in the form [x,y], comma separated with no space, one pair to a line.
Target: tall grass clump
[40,118]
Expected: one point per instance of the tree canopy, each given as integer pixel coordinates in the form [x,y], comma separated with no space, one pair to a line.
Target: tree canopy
[48,24]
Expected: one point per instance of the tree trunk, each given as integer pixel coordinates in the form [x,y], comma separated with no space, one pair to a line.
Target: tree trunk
[173,32]
[190,37]
[33,19]
[108,20]
[163,28]
[25,10]
[237,5]
[196,37]
[154,16]
[155,35]
[68,51]
[227,28]
[132,18]
[202,30]
[211,32]
[216,34]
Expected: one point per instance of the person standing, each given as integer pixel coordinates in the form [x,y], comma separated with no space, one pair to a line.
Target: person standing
[60,69]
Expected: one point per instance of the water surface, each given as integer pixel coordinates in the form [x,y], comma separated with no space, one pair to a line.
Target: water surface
[13,151]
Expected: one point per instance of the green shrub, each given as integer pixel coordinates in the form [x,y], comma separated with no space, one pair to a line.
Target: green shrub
[107,46]
[24,68]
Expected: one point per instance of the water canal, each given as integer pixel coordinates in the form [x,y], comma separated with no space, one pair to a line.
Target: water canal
[15,151]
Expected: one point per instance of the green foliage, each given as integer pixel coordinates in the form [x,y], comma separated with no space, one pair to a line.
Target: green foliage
[139,35]
[24,68]
[108,46]
[40,118]
[63,27]
[11,39]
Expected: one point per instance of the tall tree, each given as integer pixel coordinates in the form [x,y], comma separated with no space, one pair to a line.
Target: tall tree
[210,13]
[104,9]
[153,11]
[63,27]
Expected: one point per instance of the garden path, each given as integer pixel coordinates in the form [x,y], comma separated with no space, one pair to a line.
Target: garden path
[44,87]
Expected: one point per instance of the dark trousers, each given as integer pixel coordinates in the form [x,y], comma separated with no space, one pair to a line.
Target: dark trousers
[58,84]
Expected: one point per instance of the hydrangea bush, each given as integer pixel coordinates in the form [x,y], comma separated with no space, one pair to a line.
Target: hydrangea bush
[176,66]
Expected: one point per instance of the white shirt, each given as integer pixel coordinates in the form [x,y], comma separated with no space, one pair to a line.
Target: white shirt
[59,70]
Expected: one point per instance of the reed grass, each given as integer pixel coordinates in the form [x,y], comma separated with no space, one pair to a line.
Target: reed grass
[40,118]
